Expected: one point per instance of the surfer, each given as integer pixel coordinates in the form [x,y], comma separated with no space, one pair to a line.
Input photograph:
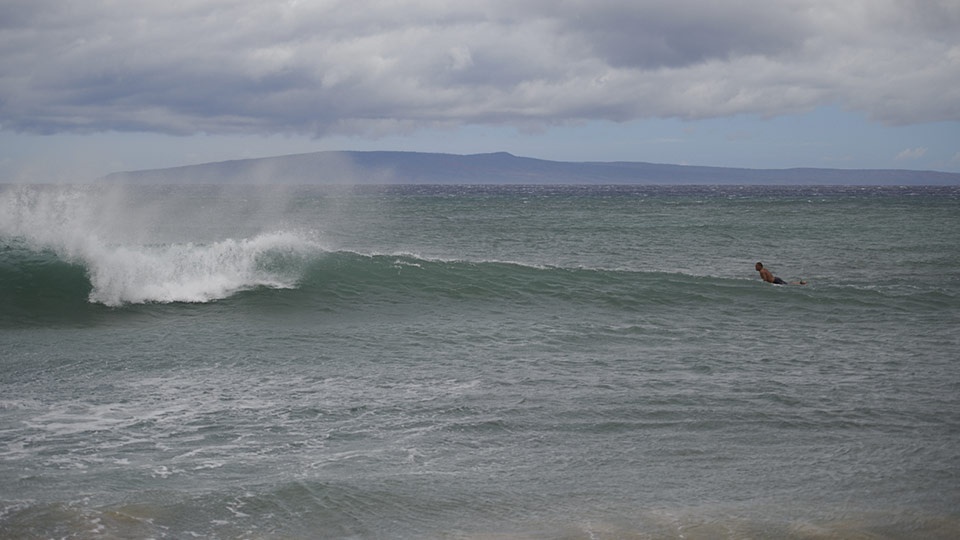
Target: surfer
[770,278]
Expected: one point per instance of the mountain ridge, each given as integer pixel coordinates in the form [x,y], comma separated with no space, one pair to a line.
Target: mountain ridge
[400,167]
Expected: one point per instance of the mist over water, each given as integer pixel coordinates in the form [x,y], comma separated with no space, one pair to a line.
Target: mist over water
[476,362]
[138,249]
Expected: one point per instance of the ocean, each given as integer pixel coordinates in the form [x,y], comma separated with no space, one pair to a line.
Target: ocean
[479,362]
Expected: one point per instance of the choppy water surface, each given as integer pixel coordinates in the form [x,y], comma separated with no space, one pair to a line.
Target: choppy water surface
[479,362]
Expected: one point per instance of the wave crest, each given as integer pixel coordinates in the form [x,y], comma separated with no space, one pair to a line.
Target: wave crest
[194,273]
[71,224]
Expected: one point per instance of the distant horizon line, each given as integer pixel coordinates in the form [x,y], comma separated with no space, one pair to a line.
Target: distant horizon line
[408,167]
[517,156]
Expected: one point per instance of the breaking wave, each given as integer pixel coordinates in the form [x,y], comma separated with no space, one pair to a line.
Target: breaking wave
[62,240]
[115,275]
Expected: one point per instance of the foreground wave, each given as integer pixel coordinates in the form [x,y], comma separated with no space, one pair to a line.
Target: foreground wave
[46,285]
[61,244]
[197,273]
[118,275]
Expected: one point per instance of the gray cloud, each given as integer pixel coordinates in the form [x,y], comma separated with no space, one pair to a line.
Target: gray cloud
[378,67]
[683,32]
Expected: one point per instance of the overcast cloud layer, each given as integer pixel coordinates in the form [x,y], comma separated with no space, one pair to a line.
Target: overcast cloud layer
[378,67]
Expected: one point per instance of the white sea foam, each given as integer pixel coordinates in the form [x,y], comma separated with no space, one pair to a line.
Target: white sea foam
[81,226]
[187,272]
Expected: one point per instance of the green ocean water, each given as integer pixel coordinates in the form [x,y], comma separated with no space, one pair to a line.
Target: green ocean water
[479,362]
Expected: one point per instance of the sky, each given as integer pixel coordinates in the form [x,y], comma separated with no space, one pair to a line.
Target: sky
[89,87]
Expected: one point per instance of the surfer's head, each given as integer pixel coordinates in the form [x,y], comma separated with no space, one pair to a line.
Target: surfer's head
[759,265]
